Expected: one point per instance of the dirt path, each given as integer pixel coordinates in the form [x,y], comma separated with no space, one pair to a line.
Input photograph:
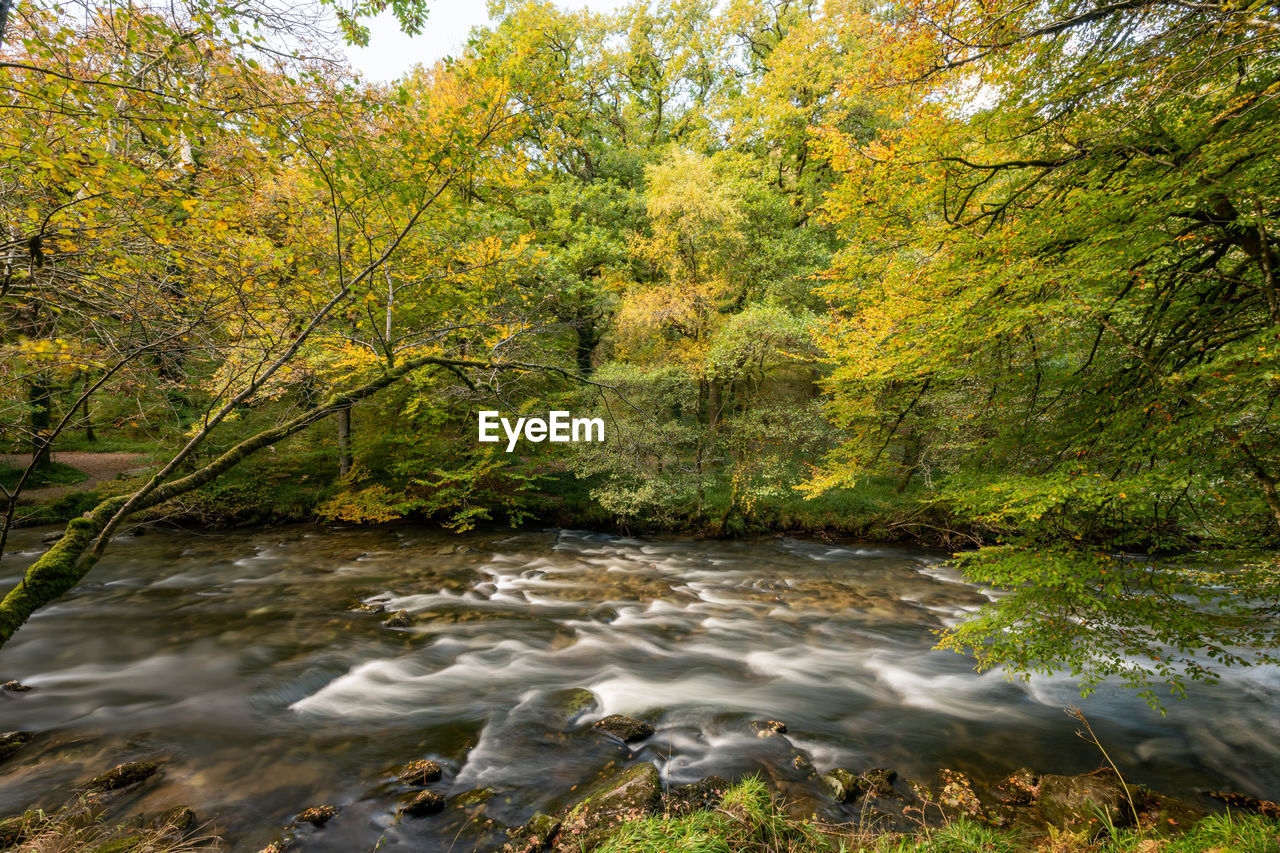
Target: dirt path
[99,467]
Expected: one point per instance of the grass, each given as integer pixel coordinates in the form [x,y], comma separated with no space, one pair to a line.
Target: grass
[749,820]
[77,831]
[53,474]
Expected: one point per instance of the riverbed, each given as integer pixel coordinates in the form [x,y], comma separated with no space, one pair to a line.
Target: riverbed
[239,660]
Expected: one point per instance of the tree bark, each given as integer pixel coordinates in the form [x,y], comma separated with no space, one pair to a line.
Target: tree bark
[344,441]
[41,400]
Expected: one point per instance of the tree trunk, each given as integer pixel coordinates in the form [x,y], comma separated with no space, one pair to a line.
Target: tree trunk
[344,441]
[89,435]
[40,398]
[586,347]
[912,453]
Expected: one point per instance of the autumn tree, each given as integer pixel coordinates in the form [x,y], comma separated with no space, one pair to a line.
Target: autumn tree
[1058,306]
[271,231]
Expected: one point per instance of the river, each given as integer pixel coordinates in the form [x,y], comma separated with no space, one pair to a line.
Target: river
[236,659]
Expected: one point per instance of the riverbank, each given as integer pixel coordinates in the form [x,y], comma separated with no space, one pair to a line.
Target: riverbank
[634,810]
[295,489]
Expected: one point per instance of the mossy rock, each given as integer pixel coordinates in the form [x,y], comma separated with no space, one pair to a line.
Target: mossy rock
[1084,803]
[535,836]
[474,797]
[624,728]
[878,782]
[421,772]
[423,804]
[768,728]
[627,796]
[122,776]
[11,743]
[573,703]
[1167,815]
[317,816]
[1019,788]
[180,819]
[845,787]
[399,619]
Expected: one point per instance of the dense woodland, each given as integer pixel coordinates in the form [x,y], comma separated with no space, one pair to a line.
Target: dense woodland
[998,276]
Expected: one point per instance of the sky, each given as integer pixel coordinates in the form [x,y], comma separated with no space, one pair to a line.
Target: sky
[391,53]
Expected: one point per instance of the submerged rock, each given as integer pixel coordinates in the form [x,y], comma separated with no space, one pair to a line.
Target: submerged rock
[535,836]
[399,619]
[634,793]
[1084,802]
[367,607]
[424,803]
[627,729]
[767,728]
[123,775]
[179,819]
[474,797]
[317,816]
[15,686]
[12,742]
[1244,802]
[573,703]
[421,772]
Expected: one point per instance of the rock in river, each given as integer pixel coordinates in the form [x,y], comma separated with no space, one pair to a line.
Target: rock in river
[424,803]
[122,775]
[399,619]
[1074,802]
[11,742]
[627,729]
[1022,787]
[535,836]
[631,794]
[421,772]
[766,728]
[317,815]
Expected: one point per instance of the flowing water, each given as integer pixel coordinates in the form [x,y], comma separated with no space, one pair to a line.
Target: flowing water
[236,659]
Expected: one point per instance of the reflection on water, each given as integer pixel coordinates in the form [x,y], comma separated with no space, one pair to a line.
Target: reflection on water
[237,659]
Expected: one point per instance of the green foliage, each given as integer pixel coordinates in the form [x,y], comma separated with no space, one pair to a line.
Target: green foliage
[747,821]
[1057,307]
[53,474]
[750,821]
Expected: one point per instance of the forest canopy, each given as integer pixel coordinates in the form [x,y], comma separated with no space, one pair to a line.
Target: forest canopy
[998,277]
